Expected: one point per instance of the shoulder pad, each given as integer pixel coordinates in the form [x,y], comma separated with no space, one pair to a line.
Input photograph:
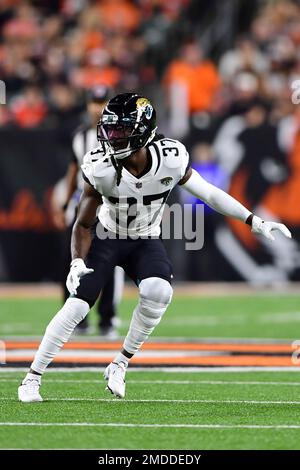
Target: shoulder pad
[93,155]
[97,168]
[87,170]
[172,152]
[102,166]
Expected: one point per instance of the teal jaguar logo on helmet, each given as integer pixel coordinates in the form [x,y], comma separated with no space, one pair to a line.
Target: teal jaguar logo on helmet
[144,106]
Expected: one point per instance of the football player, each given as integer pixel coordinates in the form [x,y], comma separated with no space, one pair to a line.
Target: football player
[65,200]
[128,186]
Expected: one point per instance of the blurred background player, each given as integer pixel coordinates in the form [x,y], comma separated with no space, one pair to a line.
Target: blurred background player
[64,203]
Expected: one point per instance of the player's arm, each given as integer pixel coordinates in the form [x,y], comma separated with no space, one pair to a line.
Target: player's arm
[227,205]
[87,211]
[82,236]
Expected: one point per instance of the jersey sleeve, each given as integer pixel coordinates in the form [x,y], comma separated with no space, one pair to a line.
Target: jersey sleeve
[185,161]
[94,169]
[88,171]
[175,157]
[87,159]
[85,178]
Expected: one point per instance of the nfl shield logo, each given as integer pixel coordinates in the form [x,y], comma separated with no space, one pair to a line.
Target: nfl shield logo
[139,185]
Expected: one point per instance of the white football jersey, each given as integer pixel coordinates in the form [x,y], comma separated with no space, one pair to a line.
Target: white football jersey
[135,207]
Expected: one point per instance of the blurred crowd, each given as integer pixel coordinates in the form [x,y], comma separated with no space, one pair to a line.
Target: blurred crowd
[241,126]
[262,64]
[50,52]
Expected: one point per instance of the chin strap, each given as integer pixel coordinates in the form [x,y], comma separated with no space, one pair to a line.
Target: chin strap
[117,162]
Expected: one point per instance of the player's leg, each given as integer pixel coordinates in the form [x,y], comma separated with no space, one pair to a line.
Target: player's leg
[150,267]
[59,330]
[82,326]
[57,333]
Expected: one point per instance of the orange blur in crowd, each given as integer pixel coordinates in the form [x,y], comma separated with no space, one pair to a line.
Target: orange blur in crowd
[200,77]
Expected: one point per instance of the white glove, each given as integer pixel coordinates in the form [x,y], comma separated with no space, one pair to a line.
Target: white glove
[77,271]
[259,226]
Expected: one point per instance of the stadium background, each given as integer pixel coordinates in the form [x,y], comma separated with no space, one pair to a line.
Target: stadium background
[228,64]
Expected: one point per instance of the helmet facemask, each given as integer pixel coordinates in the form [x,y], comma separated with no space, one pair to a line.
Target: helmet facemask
[127,124]
[122,136]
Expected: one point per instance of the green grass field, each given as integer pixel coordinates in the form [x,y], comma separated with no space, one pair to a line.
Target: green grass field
[213,411]
[163,409]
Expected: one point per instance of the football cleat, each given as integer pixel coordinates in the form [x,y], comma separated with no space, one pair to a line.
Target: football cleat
[115,376]
[29,391]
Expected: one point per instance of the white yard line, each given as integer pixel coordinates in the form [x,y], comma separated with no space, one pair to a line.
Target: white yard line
[28,355]
[185,370]
[280,317]
[207,382]
[167,382]
[179,425]
[133,400]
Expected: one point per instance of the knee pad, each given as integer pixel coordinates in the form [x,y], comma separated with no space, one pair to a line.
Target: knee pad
[68,317]
[155,296]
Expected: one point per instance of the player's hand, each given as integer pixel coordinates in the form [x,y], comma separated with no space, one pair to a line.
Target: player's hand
[264,228]
[77,271]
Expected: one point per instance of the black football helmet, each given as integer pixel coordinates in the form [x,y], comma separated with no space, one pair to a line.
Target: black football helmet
[127,124]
